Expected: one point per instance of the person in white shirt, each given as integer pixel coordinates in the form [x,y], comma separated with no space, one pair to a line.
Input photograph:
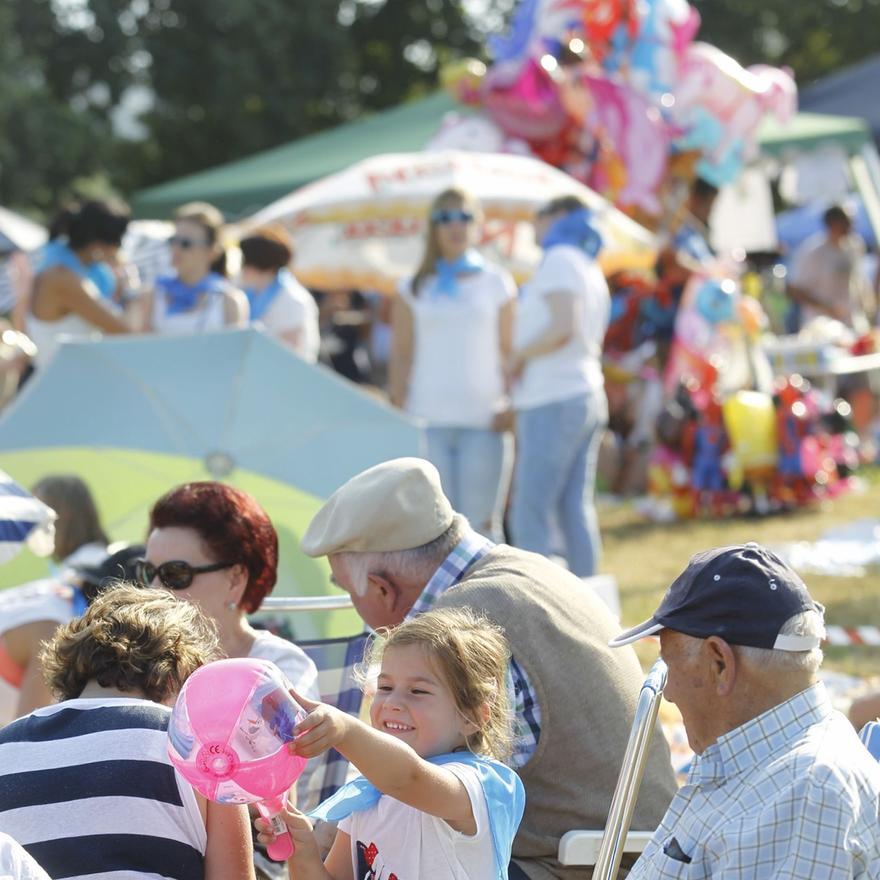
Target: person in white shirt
[452,328]
[278,301]
[559,390]
[827,276]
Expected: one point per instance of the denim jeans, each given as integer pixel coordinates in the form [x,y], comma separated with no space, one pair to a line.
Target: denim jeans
[555,477]
[474,465]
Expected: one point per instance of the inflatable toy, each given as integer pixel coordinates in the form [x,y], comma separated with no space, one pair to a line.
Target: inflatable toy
[228,737]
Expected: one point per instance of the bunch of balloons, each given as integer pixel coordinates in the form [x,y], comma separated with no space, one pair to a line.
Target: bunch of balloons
[610,91]
[754,452]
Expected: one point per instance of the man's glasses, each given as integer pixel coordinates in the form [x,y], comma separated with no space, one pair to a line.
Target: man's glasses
[451,215]
[174,574]
[184,243]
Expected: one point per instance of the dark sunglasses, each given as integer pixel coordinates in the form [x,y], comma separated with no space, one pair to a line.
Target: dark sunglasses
[174,574]
[184,243]
[451,215]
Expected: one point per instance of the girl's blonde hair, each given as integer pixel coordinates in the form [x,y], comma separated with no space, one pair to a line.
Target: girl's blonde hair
[449,198]
[471,654]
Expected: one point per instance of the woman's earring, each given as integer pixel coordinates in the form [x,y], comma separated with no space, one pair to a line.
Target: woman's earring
[231,605]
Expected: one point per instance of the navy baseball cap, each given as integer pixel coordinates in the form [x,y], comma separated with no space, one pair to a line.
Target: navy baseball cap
[742,594]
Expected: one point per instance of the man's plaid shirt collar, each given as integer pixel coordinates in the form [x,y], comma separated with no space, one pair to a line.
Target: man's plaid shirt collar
[754,743]
[469,549]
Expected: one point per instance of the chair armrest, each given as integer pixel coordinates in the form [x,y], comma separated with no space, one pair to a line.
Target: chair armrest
[582,847]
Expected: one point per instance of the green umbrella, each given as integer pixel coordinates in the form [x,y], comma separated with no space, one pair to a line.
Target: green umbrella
[136,416]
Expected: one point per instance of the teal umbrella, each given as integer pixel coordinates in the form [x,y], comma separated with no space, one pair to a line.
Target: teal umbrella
[134,416]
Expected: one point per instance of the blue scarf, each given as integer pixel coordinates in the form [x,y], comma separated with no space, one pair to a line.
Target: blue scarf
[447,273]
[180,297]
[504,793]
[58,253]
[260,300]
[575,229]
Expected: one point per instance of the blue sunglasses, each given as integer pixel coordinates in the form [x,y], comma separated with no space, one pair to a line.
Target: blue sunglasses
[451,215]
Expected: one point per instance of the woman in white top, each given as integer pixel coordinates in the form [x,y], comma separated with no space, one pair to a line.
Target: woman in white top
[559,391]
[277,300]
[452,328]
[72,297]
[196,298]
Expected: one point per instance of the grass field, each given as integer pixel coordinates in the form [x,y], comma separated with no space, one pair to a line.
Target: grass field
[645,557]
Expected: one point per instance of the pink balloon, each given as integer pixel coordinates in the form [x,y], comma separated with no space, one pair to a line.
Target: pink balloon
[228,737]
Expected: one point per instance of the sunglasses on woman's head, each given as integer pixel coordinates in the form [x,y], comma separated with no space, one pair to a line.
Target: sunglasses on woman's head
[174,574]
[451,215]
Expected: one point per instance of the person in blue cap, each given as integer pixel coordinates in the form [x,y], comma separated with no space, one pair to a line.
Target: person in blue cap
[781,786]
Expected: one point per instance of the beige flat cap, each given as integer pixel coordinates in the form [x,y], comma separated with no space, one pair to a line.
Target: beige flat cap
[396,505]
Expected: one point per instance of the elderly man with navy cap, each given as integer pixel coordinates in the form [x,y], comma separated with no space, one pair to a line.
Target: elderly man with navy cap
[781,786]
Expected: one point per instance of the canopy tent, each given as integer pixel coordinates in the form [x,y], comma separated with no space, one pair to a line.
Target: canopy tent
[242,187]
[851,91]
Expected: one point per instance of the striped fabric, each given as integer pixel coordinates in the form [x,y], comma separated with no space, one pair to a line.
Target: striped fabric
[22,518]
[7,288]
[336,660]
[86,787]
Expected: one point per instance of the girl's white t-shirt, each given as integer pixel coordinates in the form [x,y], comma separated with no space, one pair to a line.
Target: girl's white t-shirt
[392,838]
[576,368]
[457,378]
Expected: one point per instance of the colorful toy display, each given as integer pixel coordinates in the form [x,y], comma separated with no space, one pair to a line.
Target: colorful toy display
[228,737]
[612,90]
[754,453]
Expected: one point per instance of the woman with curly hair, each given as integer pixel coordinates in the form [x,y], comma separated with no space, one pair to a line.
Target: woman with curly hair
[213,545]
[86,786]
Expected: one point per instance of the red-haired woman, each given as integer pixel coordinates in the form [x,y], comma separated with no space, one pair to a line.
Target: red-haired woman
[215,546]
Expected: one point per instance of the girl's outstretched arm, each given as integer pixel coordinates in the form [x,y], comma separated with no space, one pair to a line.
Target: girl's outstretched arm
[391,765]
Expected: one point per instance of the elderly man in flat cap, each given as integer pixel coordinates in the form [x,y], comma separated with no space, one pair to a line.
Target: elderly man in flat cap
[395,544]
[781,786]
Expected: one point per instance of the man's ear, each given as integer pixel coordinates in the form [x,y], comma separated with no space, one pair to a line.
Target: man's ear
[722,665]
[387,591]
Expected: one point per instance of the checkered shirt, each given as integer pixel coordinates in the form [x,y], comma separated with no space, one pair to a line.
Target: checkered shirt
[526,713]
[791,794]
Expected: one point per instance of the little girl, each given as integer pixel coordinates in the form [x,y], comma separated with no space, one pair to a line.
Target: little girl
[434,799]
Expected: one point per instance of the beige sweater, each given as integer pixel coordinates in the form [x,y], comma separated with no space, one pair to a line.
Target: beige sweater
[558,631]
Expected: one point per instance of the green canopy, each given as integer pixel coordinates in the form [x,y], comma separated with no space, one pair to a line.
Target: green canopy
[242,187]
[810,130]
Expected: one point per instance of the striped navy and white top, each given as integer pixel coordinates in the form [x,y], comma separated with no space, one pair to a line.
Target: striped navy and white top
[87,788]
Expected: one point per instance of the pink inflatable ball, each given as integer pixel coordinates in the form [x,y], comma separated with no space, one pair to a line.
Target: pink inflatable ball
[229,731]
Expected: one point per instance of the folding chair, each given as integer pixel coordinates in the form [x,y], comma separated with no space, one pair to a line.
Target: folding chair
[605,849]
[335,659]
